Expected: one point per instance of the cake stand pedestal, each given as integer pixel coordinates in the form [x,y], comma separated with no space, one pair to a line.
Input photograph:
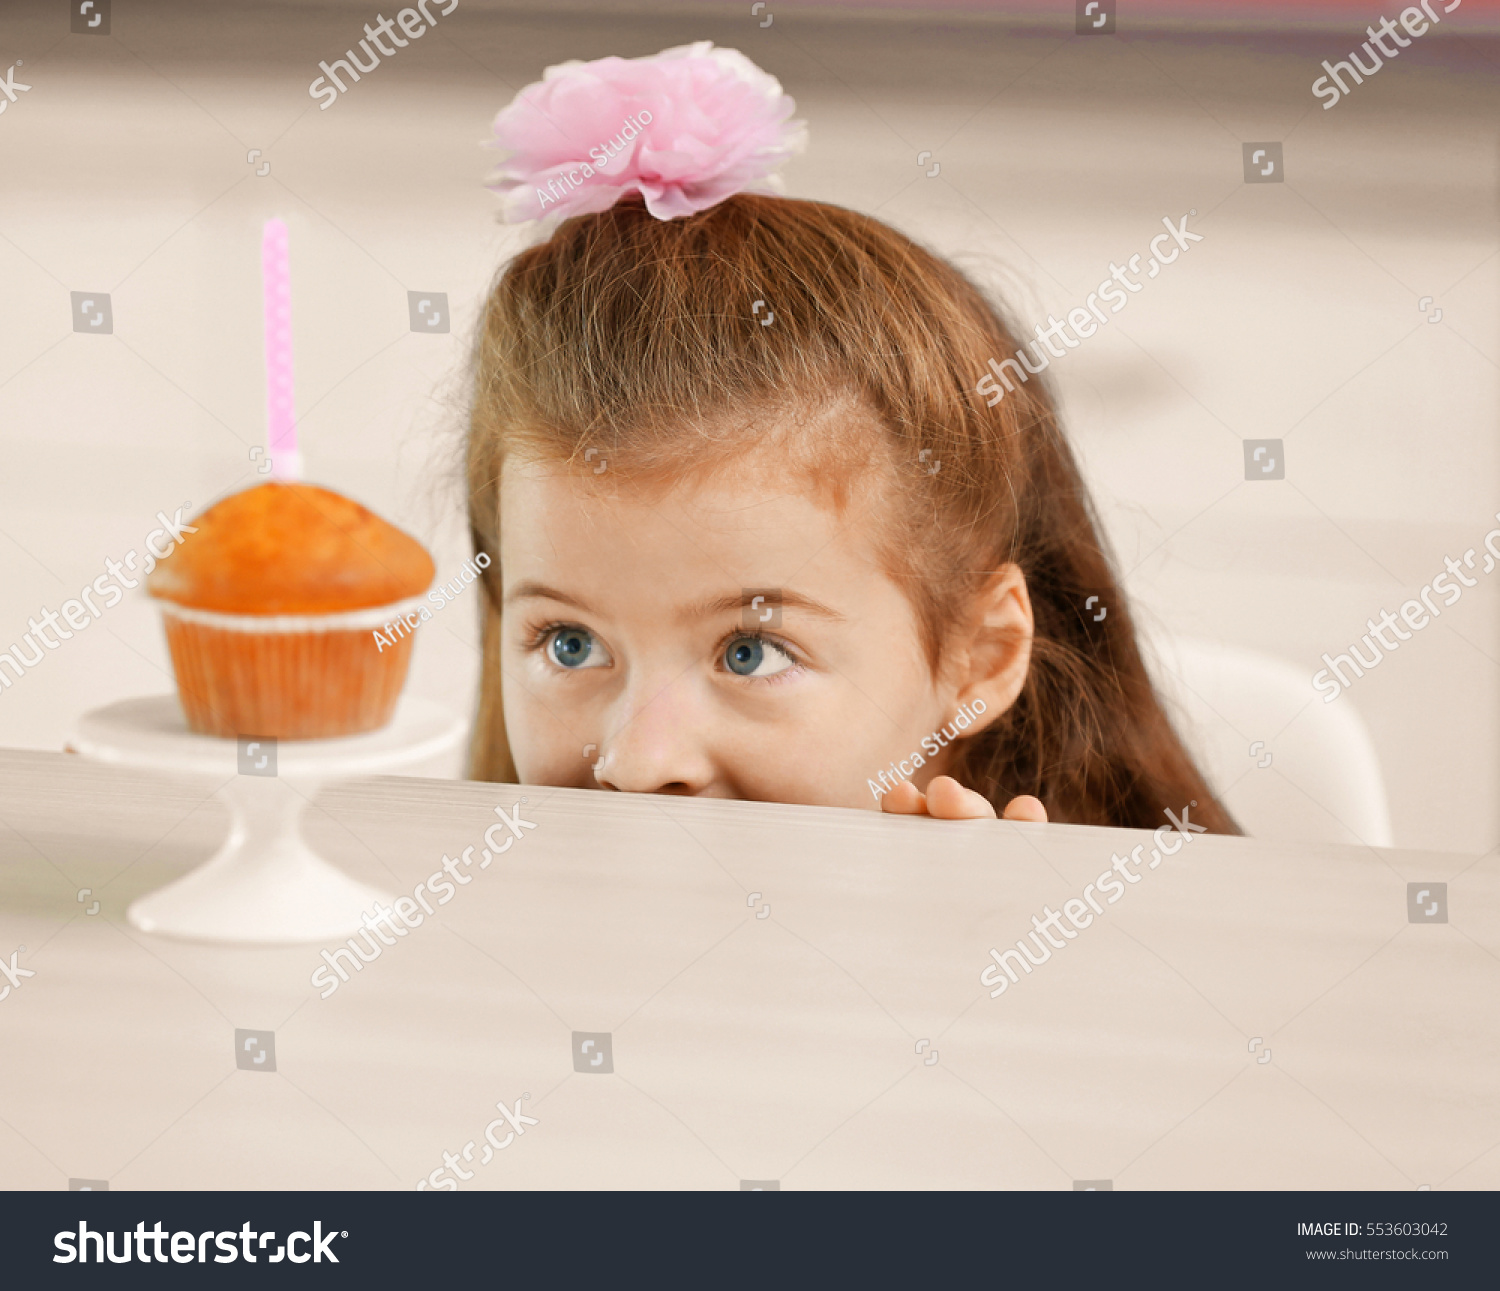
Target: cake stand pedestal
[265,885]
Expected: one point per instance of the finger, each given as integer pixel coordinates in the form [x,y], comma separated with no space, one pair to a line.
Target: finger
[1026,808]
[904,800]
[949,800]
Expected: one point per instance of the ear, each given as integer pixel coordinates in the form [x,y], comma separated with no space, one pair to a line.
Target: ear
[991,658]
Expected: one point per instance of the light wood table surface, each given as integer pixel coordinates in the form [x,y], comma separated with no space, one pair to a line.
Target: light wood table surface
[784,994]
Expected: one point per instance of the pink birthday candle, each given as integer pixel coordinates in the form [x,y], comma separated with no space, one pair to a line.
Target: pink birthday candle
[276,281]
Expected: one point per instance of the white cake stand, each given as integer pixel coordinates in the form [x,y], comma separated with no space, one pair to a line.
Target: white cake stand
[265,884]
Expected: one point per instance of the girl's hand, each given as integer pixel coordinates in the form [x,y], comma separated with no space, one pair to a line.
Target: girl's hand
[946,799]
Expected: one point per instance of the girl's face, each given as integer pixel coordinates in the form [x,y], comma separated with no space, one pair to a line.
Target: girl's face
[636,655]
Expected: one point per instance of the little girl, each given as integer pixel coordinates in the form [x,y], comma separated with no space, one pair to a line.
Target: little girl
[756,532]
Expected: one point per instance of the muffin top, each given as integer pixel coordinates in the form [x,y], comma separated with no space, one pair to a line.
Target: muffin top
[291,549]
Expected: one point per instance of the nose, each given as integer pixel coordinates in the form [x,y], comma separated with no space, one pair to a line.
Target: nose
[657,744]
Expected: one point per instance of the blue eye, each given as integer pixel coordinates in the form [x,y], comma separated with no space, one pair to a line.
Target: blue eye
[756,657]
[744,656]
[571,647]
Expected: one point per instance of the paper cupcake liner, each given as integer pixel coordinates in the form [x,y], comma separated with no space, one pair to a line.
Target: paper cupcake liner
[300,680]
[366,620]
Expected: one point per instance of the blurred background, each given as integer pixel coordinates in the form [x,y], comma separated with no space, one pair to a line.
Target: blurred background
[1345,306]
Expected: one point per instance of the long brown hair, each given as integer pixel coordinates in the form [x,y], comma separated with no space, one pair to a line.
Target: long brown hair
[641,338]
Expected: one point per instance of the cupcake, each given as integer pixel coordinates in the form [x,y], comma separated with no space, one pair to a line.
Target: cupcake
[271,609]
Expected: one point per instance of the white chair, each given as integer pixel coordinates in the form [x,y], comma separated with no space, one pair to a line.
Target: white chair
[1287,765]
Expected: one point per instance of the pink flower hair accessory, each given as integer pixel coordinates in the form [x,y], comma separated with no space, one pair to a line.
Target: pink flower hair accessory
[685,128]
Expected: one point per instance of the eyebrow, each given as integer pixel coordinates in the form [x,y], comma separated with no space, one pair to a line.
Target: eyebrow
[782,598]
[530,590]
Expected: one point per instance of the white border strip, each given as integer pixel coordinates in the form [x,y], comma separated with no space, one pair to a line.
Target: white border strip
[376,616]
